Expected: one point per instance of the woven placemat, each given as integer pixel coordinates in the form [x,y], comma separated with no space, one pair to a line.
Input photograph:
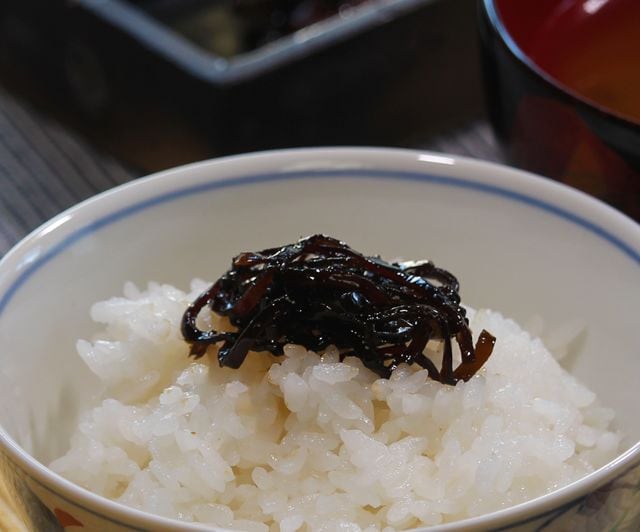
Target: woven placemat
[44,169]
[10,521]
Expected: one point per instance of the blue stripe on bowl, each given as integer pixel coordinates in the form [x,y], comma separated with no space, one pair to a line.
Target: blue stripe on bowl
[251,179]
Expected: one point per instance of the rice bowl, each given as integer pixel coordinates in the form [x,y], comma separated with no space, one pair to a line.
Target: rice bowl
[312,443]
[525,246]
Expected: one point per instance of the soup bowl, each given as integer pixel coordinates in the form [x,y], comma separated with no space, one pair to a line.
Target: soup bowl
[562,90]
[521,244]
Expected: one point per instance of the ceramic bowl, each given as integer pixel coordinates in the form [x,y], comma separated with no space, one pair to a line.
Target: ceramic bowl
[518,243]
[553,118]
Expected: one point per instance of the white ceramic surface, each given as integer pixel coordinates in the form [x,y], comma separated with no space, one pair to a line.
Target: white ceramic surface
[520,244]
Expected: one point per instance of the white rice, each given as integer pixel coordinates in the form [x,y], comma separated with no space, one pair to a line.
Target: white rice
[303,442]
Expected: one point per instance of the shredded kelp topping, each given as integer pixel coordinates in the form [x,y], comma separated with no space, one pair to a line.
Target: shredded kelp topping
[320,292]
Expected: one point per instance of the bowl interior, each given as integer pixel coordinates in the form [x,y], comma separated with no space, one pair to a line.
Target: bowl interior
[524,246]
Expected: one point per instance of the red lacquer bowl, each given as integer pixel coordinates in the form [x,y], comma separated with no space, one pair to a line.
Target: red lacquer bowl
[563,87]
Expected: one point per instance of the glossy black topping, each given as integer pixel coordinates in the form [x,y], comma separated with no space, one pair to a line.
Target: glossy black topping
[319,292]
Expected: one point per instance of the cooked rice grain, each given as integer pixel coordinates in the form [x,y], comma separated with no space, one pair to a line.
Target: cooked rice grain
[304,442]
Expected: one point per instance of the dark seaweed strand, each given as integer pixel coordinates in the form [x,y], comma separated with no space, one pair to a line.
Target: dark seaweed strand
[318,292]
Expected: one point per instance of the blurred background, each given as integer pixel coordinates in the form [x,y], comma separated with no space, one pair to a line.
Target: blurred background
[94,93]
[157,83]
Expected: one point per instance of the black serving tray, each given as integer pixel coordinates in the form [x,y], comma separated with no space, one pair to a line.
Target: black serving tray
[379,72]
